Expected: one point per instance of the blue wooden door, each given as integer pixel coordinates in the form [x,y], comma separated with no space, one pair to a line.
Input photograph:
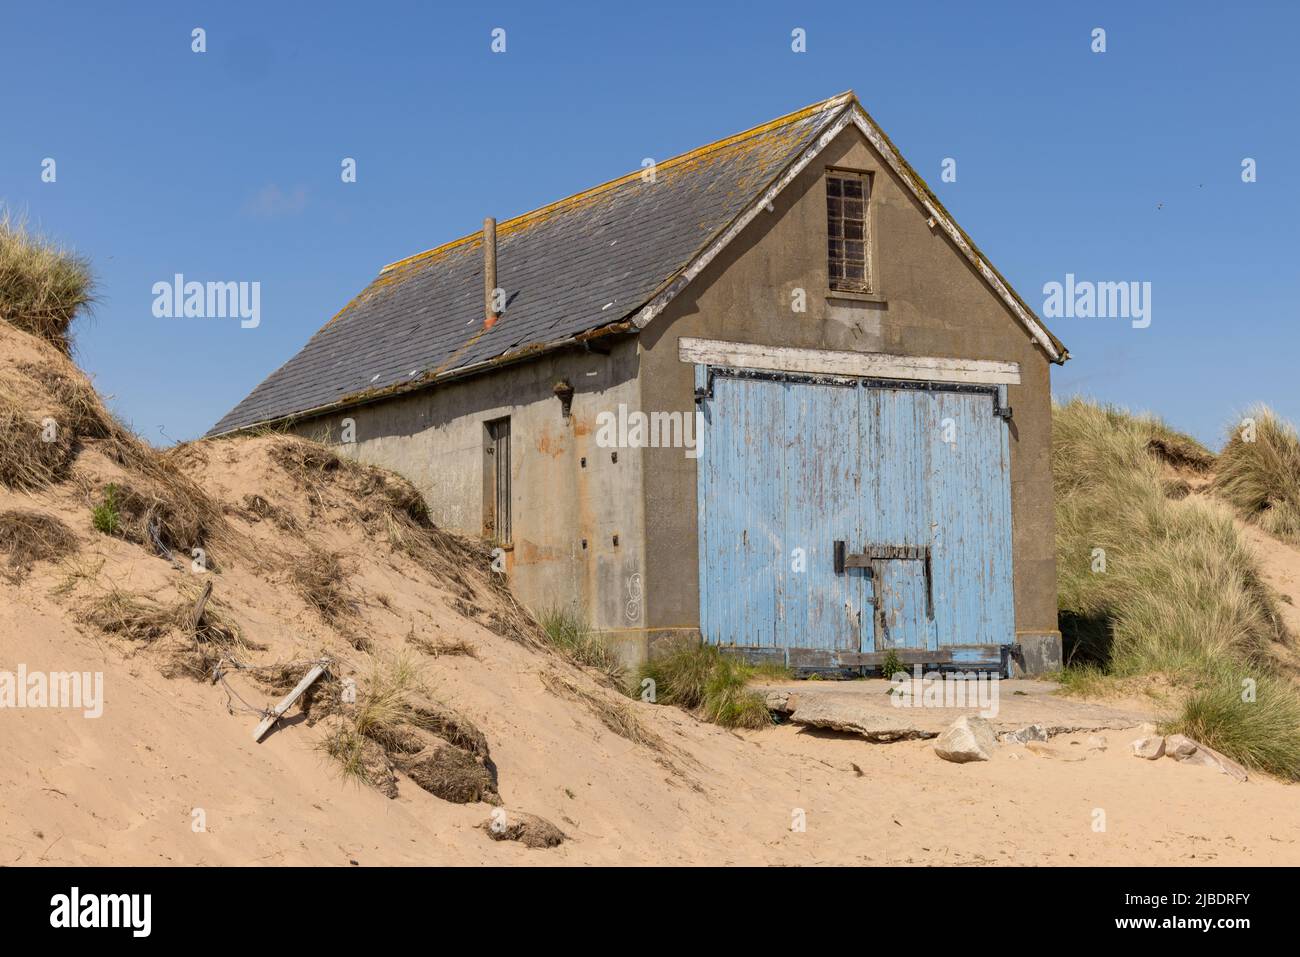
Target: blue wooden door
[970,509]
[820,454]
[741,513]
[779,483]
[789,467]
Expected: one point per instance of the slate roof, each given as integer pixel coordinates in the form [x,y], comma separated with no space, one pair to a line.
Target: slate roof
[573,266]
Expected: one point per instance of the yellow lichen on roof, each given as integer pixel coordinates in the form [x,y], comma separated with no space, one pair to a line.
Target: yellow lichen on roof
[690,160]
[377,285]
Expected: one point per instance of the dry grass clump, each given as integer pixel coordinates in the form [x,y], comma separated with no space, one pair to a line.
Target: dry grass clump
[452,774]
[42,285]
[161,517]
[34,453]
[528,829]
[361,760]
[711,685]
[614,711]
[157,505]
[374,491]
[452,727]
[28,537]
[309,462]
[313,465]
[79,408]
[143,618]
[437,648]
[398,512]
[321,580]
[1259,473]
[1175,448]
[57,388]
[182,514]
[49,411]
[260,509]
[394,726]
[138,618]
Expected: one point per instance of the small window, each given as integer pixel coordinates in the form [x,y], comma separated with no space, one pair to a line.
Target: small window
[847,195]
[496,481]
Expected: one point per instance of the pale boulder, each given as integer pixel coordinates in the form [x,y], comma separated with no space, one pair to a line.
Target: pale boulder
[1150,747]
[966,739]
[1186,751]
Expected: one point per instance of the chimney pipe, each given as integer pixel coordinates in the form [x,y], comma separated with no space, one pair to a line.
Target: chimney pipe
[489,270]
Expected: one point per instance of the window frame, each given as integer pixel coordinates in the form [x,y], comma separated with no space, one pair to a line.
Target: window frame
[866,285]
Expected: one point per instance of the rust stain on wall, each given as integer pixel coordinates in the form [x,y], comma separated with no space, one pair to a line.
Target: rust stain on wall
[550,444]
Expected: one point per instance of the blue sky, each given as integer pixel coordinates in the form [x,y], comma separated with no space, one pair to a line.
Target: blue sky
[1115,166]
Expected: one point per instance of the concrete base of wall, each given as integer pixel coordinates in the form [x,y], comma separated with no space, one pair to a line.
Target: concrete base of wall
[634,645]
[1036,654]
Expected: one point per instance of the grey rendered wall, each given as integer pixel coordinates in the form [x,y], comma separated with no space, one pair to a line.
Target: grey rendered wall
[434,438]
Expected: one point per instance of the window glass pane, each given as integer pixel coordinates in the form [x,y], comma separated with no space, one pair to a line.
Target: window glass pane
[846,231]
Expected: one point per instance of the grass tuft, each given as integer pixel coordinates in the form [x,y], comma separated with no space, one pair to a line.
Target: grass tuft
[1180,590]
[1259,474]
[1086,680]
[106,516]
[708,683]
[566,631]
[1254,719]
[1157,586]
[42,285]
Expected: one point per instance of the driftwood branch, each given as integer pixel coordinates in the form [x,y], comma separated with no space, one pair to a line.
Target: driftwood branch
[287,701]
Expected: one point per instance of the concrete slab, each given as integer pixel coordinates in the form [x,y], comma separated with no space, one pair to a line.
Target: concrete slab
[866,707]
